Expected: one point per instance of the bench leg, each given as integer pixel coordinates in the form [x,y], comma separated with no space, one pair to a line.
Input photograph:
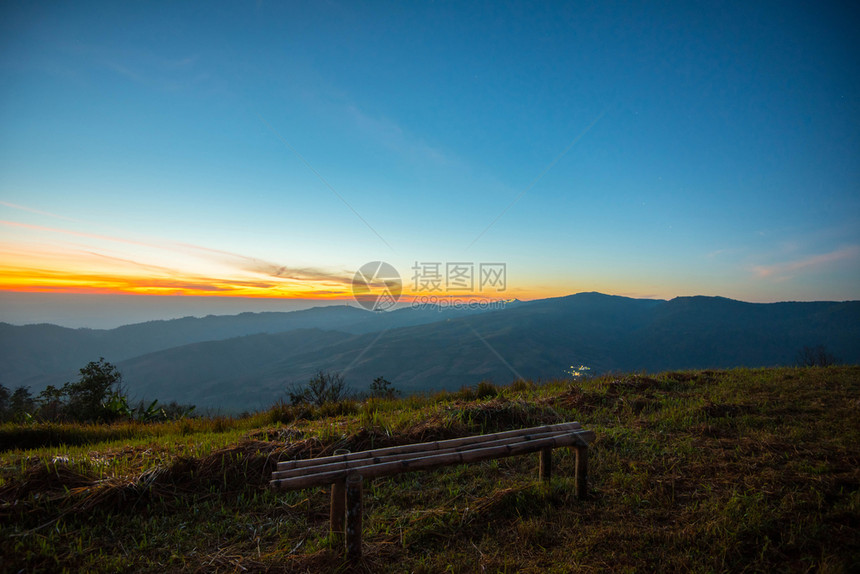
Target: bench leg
[546,464]
[581,472]
[354,510]
[338,511]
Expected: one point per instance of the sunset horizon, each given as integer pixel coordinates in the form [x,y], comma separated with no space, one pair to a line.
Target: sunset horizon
[270,152]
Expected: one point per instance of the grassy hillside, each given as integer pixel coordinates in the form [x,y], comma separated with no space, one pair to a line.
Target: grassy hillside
[740,470]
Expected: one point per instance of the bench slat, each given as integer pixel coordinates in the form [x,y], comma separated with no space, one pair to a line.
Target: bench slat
[426,446]
[572,438]
[370,457]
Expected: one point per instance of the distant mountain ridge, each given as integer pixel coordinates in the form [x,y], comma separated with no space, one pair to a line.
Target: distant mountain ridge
[425,349]
[31,354]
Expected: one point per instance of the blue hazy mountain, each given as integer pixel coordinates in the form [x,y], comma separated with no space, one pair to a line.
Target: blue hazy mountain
[419,350]
[36,355]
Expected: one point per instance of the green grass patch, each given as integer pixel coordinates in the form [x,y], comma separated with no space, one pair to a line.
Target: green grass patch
[752,470]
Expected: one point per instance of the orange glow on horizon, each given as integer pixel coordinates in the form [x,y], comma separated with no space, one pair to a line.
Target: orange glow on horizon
[59,281]
[36,267]
[67,282]
[42,259]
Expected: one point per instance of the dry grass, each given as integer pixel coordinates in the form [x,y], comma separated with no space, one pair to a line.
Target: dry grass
[734,471]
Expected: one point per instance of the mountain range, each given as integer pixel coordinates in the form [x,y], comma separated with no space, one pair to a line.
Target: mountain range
[247,361]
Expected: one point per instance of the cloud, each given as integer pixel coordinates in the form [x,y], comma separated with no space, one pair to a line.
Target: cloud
[74,233]
[95,268]
[259,266]
[723,252]
[182,62]
[151,70]
[809,263]
[137,264]
[295,273]
[37,211]
[166,77]
[242,262]
[393,136]
[56,280]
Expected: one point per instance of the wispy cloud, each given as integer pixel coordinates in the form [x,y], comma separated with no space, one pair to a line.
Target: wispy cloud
[235,260]
[75,233]
[152,269]
[786,269]
[182,62]
[393,136]
[37,211]
[104,265]
[167,76]
[723,252]
[66,281]
[168,73]
[262,267]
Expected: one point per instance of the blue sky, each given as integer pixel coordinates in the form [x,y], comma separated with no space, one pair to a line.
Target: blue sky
[641,149]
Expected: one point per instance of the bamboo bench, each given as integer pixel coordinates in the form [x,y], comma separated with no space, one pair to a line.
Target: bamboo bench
[347,471]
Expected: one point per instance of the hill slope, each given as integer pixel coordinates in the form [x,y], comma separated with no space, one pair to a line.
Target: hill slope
[710,471]
[537,340]
[424,349]
[37,355]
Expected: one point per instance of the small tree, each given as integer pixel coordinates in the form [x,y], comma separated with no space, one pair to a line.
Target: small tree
[383,388]
[817,356]
[21,404]
[51,403]
[98,396]
[15,406]
[324,387]
[98,389]
[4,403]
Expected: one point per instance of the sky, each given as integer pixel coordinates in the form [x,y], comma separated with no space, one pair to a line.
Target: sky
[236,151]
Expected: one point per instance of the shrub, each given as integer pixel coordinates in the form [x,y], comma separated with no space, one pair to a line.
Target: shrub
[817,356]
[324,387]
[486,390]
[521,386]
[467,393]
[383,388]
